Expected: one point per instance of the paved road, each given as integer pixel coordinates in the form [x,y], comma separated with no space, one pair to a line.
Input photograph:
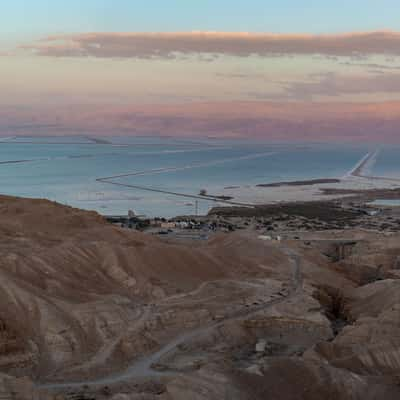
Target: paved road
[142,368]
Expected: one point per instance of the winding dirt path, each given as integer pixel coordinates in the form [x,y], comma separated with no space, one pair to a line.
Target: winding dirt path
[142,368]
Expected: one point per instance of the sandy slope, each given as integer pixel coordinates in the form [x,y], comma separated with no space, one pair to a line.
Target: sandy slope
[71,284]
[86,303]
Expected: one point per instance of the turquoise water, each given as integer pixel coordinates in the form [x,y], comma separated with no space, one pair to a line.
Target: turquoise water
[386,203]
[388,162]
[65,169]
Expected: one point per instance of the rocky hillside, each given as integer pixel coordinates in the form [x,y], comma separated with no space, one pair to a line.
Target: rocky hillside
[91,311]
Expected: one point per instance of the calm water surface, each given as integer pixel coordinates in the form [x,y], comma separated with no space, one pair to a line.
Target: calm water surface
[65,169]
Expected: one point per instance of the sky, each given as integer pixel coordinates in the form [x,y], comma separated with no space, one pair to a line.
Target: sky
[285,16]
[163,66]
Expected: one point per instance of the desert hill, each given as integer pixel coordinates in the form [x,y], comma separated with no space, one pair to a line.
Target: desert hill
[92,310]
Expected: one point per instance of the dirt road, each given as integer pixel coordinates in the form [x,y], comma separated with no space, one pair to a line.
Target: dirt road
[142,368]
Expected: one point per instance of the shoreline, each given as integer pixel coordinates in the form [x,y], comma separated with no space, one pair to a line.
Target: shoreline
[355,184]
[294,192]
[358,188]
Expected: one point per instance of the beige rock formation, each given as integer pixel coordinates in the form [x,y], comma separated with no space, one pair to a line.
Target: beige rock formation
[89,309]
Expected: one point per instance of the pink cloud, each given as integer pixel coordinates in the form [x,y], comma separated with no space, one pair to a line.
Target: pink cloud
[165,45]
[296,121]
[333,85]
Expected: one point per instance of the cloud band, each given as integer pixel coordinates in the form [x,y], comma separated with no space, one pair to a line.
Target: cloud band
[167,45]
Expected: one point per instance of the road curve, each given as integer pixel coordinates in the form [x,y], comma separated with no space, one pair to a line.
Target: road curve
[142,368]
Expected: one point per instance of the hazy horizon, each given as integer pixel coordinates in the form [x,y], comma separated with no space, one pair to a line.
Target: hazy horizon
[293,71]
